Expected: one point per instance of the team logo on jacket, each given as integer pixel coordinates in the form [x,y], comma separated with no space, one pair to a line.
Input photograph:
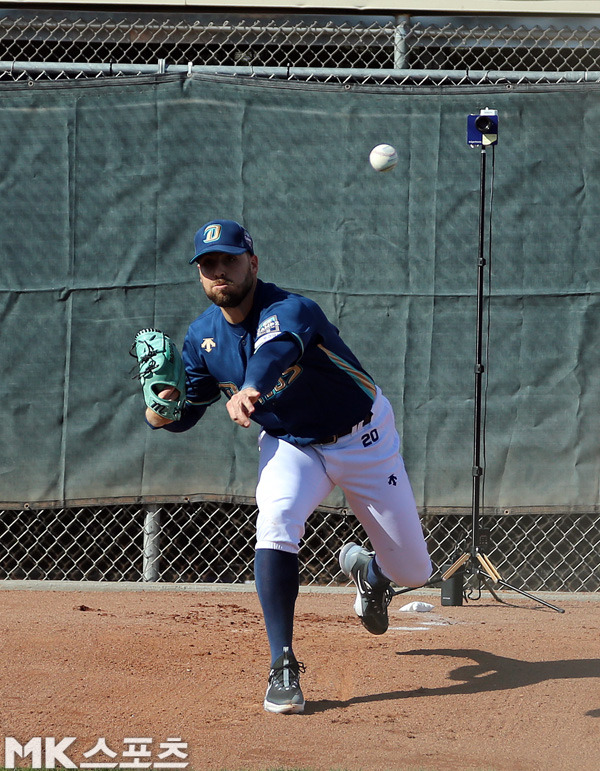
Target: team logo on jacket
[208,344]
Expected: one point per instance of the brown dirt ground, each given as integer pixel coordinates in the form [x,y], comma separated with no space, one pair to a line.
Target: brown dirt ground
[508,686]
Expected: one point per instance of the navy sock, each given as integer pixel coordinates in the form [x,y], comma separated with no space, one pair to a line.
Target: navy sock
[277,582]
[375,576]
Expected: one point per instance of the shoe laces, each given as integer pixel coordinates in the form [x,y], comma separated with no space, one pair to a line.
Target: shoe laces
[388,596]
[376,594]
[287,675]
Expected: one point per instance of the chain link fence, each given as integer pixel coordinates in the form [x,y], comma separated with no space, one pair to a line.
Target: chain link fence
[403,50]
[213,542]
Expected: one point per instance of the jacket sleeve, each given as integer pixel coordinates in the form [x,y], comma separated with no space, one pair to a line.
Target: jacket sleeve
[270,361]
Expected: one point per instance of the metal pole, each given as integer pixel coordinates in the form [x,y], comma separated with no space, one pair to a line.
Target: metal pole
[401,30]
[484,76]
[479,366]
[151,549]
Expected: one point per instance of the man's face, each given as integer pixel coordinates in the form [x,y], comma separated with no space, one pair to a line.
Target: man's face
[228,279]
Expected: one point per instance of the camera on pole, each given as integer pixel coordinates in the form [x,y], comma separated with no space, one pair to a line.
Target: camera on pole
[482,128]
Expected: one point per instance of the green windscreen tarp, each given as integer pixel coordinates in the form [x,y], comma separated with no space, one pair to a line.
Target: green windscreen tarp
[103,185]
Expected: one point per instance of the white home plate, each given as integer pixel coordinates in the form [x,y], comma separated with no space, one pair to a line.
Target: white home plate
[417,607]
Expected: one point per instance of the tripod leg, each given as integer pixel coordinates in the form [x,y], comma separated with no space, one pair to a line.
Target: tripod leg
[491,571]
[405,590]
[484,560]
[529,596]
[454,567]
[491,589]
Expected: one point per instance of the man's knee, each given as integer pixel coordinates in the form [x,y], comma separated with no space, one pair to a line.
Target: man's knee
[278,530]
[407,572]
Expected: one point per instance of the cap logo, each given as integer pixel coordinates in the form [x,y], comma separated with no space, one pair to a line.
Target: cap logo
[212,233]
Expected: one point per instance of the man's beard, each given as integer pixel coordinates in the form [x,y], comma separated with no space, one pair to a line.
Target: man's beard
[232,296]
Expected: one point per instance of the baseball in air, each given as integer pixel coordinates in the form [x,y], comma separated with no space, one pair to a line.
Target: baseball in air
[383,157]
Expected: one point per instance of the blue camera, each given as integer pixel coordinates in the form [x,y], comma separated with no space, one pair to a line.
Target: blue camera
[482,128]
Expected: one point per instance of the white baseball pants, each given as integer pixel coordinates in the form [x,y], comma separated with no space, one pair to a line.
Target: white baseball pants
[367,465]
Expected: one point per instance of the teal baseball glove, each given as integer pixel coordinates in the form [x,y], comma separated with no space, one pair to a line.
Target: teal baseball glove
[160,367]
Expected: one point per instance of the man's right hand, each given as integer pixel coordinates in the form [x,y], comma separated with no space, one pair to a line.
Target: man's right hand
[155,420]
[241,406]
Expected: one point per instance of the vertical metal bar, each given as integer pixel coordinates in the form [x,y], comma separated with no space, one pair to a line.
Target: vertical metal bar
[401,30]
[151,549]
[479,367]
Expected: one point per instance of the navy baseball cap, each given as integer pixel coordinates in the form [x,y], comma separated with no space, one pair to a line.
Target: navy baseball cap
[222,236]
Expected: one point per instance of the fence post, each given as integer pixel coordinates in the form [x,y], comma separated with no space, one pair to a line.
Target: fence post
[401,30]
[151,549]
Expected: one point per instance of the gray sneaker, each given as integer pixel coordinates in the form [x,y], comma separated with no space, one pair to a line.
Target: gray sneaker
[283,692]
[371,602]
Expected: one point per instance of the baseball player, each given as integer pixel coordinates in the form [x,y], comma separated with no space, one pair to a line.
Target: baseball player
[282,364]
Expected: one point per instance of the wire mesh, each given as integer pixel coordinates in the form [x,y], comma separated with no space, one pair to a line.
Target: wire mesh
[214,543]
[402,51]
